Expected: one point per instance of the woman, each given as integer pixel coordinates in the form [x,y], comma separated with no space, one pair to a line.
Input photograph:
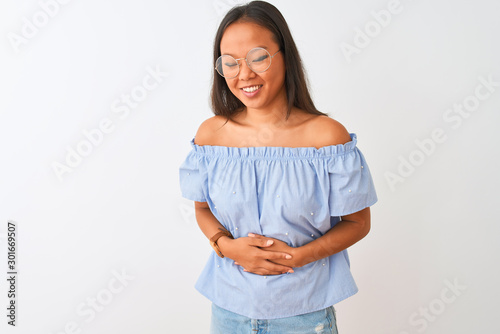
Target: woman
[280,189]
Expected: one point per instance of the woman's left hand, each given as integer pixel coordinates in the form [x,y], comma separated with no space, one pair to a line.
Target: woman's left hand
[281,246]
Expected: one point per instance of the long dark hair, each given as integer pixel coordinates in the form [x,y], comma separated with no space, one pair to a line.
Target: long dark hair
[268,16]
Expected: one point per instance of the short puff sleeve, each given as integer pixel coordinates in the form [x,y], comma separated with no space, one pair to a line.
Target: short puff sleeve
[351,184]
[192,179]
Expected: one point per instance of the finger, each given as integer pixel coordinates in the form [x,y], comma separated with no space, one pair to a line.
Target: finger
[272,273]
[274,267]
[265,272]
[286,268]
[261,242]
[272,255]
[269,268]
[254,235]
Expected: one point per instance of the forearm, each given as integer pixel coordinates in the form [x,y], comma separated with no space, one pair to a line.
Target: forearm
[209,225]
[207,222]
[343,235]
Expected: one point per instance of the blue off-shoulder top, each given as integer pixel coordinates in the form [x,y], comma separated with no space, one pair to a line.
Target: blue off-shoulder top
[294,194]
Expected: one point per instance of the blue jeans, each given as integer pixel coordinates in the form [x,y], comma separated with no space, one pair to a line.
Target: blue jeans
[321,322]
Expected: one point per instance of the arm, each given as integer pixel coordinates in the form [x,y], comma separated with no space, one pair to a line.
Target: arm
[344,234]
[245,251]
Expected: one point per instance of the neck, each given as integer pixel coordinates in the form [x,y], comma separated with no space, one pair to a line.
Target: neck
[271,116]
[264,118]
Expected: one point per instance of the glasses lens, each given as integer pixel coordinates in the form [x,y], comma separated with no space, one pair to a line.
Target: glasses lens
[259,60]
[227,66]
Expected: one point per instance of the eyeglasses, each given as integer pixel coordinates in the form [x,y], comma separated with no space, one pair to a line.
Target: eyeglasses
[258,60]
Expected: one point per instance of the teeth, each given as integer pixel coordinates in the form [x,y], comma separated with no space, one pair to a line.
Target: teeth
[251,89]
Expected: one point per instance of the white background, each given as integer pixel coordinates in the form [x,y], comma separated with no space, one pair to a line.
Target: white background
[120,208]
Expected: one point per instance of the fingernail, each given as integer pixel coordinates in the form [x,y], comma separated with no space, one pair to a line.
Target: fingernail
[288,256]
[251,235]
[290,271]
[269,242]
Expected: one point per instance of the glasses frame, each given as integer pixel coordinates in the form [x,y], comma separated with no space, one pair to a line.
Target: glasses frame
[246,60]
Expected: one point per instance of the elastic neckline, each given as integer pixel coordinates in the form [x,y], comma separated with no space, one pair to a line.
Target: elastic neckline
[275,151]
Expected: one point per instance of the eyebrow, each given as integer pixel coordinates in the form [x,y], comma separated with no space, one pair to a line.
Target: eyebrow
[258,46]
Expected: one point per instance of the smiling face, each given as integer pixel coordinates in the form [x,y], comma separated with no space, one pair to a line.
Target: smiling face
[266,90]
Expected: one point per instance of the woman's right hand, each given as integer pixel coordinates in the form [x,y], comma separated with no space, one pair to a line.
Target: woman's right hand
[250,253]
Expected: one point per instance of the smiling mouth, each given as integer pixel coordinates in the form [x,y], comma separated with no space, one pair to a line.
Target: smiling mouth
[251,89]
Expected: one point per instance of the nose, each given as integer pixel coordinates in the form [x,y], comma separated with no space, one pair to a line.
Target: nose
[245,71]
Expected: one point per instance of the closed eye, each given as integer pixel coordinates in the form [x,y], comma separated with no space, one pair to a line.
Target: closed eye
[261,58]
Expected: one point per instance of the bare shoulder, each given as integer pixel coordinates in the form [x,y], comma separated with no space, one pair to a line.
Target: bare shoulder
[326,131]
[207,130]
